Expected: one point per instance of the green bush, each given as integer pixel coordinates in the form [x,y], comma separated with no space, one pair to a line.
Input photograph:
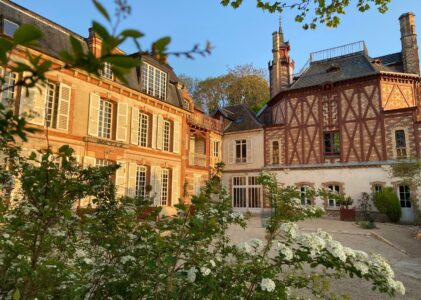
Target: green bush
[387,202]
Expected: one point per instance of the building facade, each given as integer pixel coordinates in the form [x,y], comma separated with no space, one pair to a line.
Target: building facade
[343,120]
[149,126]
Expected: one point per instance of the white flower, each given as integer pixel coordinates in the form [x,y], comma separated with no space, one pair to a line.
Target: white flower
[127,258]
[360,255]
[312,241]
[191,274]
[88,261]
[399,287]
[286,251]
[245,247]
[267,285]
[205,271]
[362,267]
[336,249]
[323,234]
[80,253]
[212,262]
[380,263]
[349,252]
[237,215]
[6,235]
[290,229]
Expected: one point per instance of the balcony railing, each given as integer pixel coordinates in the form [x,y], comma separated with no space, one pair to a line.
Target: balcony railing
[203,121]
[197,159]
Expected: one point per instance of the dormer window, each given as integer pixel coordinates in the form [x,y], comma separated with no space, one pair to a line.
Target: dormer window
[106,72]
[333,68]
[9,27]
[186,104]
[154,81]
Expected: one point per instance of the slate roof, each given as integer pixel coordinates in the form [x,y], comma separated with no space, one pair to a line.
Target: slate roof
[56,38]
[338,69]
[242,118]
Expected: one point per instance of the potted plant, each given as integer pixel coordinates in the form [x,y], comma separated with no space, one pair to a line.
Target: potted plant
[346,213]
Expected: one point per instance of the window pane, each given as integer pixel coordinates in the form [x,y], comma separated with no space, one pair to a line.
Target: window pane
[164,189]
[166,136]
[8,87]
[400,139]
[141,181]
[143,129]
[9,27]
[105,119]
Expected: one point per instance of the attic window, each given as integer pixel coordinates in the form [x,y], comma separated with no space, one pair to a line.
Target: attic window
[333,69]
[154,81]
[9,27]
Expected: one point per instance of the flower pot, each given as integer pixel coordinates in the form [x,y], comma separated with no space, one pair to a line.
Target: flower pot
[347,214]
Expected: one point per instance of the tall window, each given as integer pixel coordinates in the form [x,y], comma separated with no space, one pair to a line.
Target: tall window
[275,152]
[9,27]
[305,200]
[400,141]
[246,193]
[164,186]
[154,81]
[8,87]
[215,148]
[106,72]
[105,119]
[166,136]
[336,189]
[51,109]
[143,129]
[241,151]
[404,196]
[331,143]
[141,181]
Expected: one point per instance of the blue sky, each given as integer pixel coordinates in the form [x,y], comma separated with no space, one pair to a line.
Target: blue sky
[239,36]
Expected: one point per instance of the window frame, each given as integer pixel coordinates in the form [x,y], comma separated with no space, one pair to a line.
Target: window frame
[216,148]
[141,181]
[277,160]
[143,133]
[154,81]
[333,188]
[105,132]
[4,20]
[166,135]
[9,80]
[51,112]
[404,194]
[247,187]
[165,185]
[335,143]
[107,72]
[242,145]
[303,195]
[400,144]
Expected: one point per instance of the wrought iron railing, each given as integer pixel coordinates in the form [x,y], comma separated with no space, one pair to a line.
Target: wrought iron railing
[204,121]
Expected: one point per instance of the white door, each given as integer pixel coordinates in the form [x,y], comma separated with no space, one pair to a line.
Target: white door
[404,194]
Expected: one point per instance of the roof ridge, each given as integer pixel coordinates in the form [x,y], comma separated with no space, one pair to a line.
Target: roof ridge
[251,114]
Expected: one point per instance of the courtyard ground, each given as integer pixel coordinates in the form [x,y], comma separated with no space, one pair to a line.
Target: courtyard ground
[394,242]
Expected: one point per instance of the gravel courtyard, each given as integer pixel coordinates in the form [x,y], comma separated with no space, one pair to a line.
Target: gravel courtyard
[394,242]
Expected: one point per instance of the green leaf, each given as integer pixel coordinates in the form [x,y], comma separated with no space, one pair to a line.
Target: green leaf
[132,33]
[101,30]
[121,61]
[16,295]
[76,45]
[102,10]
[161,44]
[26,34]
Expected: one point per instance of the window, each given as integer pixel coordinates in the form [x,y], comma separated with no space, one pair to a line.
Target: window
[143,129]
[197,185]
[333,188]
[141,181]
[105,119]
[400,143]
[246,193]
[9,27]
[305,200]
[106,72]
[102,162]
[241,151]
[404,196]
[275,152]
[166,136]
[154,81]
[186,104]
[377,188]
[8,87]
[51,108]
[331,143]
[216,148]
[164,186]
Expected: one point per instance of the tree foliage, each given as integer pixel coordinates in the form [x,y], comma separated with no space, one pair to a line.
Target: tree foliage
[387,202]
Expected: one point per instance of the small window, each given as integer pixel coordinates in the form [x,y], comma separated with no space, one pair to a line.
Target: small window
[216,148]
[164,186]
[166,136]
[275,152]
[305,200]
[9,27]
[333,188]
[241,151]
[404,196]
[105,119]
[377,188]
[331,143]
[103,162]
[7,94]
[141,181]
[400,141]
[143,130]
[106,72]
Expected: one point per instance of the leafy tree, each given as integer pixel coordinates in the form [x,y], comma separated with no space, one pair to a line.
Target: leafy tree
[311,12]
[387,202]
[190,82]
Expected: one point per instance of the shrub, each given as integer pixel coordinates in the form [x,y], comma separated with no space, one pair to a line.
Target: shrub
[367,224]
[387,202]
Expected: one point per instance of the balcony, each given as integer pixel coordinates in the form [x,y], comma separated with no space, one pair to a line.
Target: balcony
[205,122]
[197,159]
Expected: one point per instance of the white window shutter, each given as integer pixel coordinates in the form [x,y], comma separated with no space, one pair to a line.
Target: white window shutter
[175,186]
[196,184]
[156,184]
[154,130]
[65,96]
[122,121]
[249,147]
[89,161]
[93,114]
[132,179]
[159,130]
[176,137]
[231,152]
[135,126]
[120,179]
[32,104]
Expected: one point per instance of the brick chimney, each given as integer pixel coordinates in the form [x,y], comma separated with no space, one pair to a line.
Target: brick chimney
[411,62]
[94,42]
[281,69]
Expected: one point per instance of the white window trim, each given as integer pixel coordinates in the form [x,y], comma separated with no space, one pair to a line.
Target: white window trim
[248,187]
[154,81]
[243,158]
[142,129]
[106,72]
[335,205]
[10,21]
[306,200]
[216,146]
[101,122]
[141,173]
[166,136]
[165,193]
